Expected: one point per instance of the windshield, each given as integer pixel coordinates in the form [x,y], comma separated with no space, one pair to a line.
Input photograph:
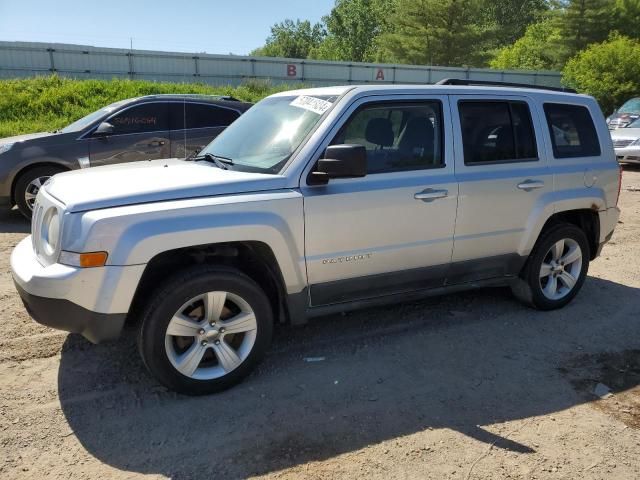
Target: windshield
[631,106]
[634,124]
[263,138]
[92,117]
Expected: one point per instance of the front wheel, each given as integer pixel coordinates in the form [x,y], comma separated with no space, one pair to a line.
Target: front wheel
[207,329]
[28,185]
[556,269]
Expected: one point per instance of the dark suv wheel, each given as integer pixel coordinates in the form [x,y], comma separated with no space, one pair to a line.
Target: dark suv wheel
[206,330]
[28,185]
[556,269]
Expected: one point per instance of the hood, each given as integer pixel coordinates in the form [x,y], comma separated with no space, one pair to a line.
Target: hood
[152,181]
[621,120]
[625,134]
[22,138]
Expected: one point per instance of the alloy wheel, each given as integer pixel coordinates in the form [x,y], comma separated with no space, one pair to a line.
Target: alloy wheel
[32,190]
[211,335]
[560,269]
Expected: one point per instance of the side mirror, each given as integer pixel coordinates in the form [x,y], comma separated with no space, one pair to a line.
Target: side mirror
[341,161]
[104,129]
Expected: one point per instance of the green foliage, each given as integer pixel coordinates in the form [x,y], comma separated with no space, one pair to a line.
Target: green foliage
[353,27]
[609,71]
[434,32]
[627,17]
[508,20]
[535,50]
[291,40]
[49,103]
[584,22]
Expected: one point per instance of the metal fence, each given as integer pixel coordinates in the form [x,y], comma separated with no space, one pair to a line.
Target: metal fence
[25,59]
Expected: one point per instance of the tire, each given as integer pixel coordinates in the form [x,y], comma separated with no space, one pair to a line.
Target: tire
[179,308]
[29,183]
[535,288]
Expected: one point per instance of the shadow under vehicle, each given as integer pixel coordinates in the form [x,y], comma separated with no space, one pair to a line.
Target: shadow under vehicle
[459,362]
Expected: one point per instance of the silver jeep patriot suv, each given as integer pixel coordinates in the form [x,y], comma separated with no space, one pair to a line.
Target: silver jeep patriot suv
[318,201]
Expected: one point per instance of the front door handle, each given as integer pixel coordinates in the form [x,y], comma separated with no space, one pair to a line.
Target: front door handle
[156,143]
[529,185]
[429,195]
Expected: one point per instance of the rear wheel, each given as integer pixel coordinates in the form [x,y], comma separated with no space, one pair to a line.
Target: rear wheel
[206,330]
[556,268]
[28,185]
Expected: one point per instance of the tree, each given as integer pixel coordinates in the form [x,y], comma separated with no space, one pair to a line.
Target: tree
[435,32]
[508,19]
[627,17]
[291,40]
[536,50]
[353,27]
[584,22]
[610,71]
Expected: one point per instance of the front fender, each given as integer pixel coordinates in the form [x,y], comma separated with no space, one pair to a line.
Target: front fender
[10,171]
[133,235]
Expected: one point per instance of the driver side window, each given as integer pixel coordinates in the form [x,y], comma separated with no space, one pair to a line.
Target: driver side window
[148,117]
[398,137]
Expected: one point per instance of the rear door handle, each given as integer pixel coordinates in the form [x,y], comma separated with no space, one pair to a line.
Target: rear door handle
[430,195]
[529,185]
[156,143]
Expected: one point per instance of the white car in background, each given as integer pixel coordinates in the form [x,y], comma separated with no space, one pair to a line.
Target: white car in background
[626,142]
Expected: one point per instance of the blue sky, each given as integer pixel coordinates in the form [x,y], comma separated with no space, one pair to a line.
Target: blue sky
[214,26]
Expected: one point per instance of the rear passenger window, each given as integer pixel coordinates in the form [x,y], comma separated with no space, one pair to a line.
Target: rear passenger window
[198,115]
[398,137]
[495,132]
[572,131]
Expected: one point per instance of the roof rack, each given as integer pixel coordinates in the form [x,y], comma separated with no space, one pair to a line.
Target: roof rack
[227,98]
[487,83]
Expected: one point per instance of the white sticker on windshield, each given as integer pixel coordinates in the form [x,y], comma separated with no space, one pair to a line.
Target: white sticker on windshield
[313,104]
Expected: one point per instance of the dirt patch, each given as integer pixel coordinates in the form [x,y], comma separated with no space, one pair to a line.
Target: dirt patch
[611,380]
[461,387]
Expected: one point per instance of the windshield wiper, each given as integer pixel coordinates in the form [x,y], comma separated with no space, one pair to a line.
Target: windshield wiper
[220,162]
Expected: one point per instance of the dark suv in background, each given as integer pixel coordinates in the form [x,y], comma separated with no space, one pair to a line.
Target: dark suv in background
[144,128]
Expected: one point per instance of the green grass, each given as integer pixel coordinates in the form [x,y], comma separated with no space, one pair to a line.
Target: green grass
[48,103]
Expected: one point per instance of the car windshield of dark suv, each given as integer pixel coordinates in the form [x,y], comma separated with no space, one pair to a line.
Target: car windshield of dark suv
[84,122]
[263,139]
[630,106]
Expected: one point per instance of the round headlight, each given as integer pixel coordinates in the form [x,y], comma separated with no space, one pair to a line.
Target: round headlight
[50,231]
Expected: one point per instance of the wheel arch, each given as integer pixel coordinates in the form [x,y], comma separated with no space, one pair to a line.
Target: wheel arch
[588,220]
[31,166]
[253,258]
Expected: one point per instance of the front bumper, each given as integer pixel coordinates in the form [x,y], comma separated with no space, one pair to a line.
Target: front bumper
[90,301]
[628,155]
[65,315]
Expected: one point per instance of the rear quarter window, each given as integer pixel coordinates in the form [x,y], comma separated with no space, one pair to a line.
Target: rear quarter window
[572,131]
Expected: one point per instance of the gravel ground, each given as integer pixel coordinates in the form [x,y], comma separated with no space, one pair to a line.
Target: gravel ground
[471,385]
